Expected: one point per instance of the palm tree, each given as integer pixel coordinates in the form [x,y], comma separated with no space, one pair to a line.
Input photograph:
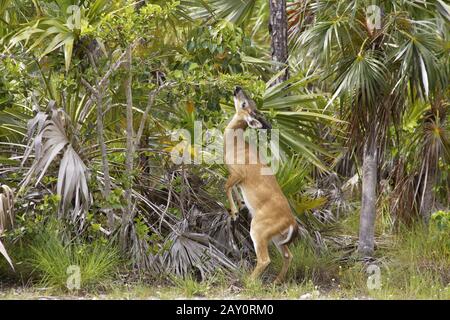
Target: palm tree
[422,146]
[278,29]
[63,25]
[60,26]
[377,66]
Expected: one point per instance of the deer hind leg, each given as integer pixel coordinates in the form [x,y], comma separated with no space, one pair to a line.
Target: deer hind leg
[287,258]
[261,244]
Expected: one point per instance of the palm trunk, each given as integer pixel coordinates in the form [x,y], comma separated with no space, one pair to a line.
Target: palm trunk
[368,203]
[427,203]
[105,164]
[279,36]
[127,214]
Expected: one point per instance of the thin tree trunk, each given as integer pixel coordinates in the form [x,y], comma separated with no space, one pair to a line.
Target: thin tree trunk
[127,214]
[141,140]
[278,30]
[105,164]
[428,198]
[369,196]
[98,94]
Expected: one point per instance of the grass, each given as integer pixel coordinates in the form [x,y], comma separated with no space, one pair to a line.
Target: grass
[317,266]
[75,265]
[414,263]
[419,263]
[189,287]
[43,259]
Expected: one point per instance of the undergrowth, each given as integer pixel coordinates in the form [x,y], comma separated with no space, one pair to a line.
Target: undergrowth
[44,259]
[414,263]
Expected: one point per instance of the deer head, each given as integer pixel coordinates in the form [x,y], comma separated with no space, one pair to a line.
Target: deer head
[246,110]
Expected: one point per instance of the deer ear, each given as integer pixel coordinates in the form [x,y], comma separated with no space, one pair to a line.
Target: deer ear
[253,122]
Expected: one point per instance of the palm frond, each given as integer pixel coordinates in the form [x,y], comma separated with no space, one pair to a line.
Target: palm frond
[236,11]
[5,254]
[417,54]
[298,113]
[293,176]
[191,253]
[363,75]
[6,217]
[6,208]
[48,139]
[444,9]
[59,29]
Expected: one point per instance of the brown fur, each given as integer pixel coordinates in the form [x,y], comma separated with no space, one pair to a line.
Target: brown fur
[272,216]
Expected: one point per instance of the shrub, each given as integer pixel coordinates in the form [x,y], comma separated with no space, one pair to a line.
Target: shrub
[441,220]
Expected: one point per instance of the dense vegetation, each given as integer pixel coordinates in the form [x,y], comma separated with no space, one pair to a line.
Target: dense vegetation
[93,94]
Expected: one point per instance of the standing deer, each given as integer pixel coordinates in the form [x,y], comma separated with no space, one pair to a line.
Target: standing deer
[272,219]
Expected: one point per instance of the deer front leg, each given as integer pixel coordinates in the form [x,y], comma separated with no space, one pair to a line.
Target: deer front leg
[231,182]
[240,201]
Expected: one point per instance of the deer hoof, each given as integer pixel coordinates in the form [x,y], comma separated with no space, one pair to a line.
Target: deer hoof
[278,281]
[243,210]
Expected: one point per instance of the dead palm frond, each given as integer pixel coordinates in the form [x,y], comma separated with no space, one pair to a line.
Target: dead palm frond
[6,208]
[233,238]
[191,252]
[6,216]
[5,254]
[195,241]
[48,139]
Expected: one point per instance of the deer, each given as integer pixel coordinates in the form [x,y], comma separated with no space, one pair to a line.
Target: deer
[271,215]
